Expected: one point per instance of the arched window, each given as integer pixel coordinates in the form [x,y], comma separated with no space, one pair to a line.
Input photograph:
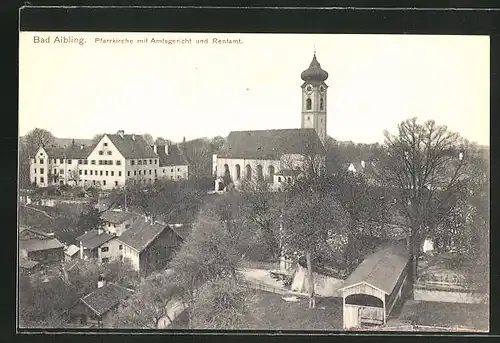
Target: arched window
[248,172]
[238,171]
[271,173]
[226,171]
[308,104]
[321,104]
[289,179]
[260,174]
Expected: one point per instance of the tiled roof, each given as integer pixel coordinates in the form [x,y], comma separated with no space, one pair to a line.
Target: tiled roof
[271,144]
[117,217]
[92,239]
[380,269]
[175,156]
[105,298]
[40,244]
[71,250]
[140,234]
[130,148]
[71,152]
[64,142]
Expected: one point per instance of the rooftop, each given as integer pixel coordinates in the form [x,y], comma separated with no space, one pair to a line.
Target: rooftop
[171,155]
[92,239]
[117,217]
[271,144]
[71,250]
[141,233]
[105,298]
[132,146]
[380,269]
[40,244]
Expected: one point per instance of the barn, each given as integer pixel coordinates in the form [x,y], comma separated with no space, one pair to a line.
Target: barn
[373,289]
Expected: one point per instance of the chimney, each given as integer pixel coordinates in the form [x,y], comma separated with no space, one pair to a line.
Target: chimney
[121,133]
[133,137]
[155,149]
[81,146]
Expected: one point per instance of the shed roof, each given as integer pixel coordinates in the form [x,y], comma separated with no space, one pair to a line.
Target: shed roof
[117,217]
[105,298]
[71,250]
[40,244]
[141,233]
[380,269]
[271,144]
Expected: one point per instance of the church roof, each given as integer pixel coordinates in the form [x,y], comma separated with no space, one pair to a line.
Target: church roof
[271,144]
[314,73]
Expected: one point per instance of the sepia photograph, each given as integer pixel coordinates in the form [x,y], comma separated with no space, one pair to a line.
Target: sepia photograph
[224,181]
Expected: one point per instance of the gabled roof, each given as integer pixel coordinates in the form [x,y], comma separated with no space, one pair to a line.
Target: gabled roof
[182,230]
[117,217]
[141,233]
[175,156]
[40,244]
[272,144]
[70,152]
[105,298]
[380,269]
[132,146]
[93,239]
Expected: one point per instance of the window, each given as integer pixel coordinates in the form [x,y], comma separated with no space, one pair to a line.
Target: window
[42,180]
[321,104]
[106,173]
[100,152]
[139,162]
[55,171]
[155,172]
[172,170]
[178,169]
[149,171]
[35,170]
[163,171]
[100,162]
[100,172]
[41,161]
[93,181]
[80,162]
[110,162]
[156,161]
[105,144]
[135,173]
[105,260]
[118,162]
[85,181]
[91,172]
[85,172]
[92,162]
[109,152]
[61,171]
[54,160]
[139,172]
[132,162]
[308,118]
[308,104]
[80,172]
[120,247]
[69,161]
[112,173]
[128,173]
[119,173]
[145,161]
[116,183]
[85,161]
[279,178]
[104,182]
[178,177]
[150,161]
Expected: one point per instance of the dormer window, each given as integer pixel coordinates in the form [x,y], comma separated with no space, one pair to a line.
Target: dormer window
[308,104]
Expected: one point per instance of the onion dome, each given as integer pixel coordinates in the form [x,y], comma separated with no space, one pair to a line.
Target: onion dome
[314,73]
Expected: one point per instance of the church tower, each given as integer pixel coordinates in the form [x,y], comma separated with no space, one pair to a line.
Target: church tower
[314,96]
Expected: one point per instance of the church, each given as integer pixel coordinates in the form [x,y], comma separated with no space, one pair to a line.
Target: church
[279,156]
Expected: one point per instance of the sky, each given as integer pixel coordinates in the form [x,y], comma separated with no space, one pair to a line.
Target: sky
[203,90]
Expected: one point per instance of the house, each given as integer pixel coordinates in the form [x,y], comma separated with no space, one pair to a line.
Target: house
[71,253]
[149,245]
[376,286]
[39,246]
[173,163]
[98,307]
[100,245]
[265,155]
[116,221]
[53,165]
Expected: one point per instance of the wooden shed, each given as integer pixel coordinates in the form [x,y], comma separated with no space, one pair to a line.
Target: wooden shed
[376,285]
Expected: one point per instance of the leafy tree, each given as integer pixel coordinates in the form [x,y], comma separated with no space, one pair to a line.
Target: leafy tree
[149,305]
[216,144]
[198,153]
[425,163]
[90,219]
[311,218]
[36,138]
[220,305]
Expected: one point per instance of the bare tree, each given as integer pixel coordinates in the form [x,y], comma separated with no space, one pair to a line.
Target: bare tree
[199,156]
[425,163]
[148,306]
[97,137]
[148,139]
[36,138]
[311,218]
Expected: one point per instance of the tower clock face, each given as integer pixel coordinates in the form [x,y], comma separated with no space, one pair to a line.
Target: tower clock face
[309,89]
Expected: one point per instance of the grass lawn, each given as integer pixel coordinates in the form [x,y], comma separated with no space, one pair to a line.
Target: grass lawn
[429,313]
[273,313]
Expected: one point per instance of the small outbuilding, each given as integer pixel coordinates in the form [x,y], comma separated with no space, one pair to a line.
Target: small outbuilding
[375,287]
